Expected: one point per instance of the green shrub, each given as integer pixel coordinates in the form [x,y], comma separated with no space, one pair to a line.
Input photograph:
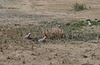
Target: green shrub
[98,21]
[94,23]
[68,24]
[82,23]
[79,24]
[88,20]
[76,25]
[99,36]
[79,6]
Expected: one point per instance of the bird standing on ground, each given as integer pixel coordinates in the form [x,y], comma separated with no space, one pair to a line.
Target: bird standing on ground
[28,36]
[89,23]
[59,26]
[43,39]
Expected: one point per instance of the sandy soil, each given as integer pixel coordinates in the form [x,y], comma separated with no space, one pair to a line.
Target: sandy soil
[73,53]
[32,11]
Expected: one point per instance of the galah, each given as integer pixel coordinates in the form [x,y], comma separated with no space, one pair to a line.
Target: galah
[59,26]
[89,23]
[28,36]
[42,40]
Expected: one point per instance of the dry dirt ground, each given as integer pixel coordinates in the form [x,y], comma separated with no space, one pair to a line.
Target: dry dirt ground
[25,12]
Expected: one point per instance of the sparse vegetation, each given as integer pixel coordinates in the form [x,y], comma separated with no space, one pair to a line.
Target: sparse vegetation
[79,24]
[84,56]
[17,24]
[68,24]
[68,32]
[24,62]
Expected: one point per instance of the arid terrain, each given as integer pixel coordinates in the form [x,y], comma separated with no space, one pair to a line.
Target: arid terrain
[19,17]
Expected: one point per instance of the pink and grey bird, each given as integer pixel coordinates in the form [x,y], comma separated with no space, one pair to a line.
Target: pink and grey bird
[59,26]
[89,23]
[28,36]
[43,39]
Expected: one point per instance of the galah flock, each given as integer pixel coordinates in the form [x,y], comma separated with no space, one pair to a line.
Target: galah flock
[43,39]
[28,36]
[89,23]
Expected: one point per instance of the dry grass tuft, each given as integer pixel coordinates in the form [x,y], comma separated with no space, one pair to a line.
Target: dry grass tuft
[79,6]
[55,33]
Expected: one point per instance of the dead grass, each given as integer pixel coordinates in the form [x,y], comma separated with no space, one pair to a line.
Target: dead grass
[55,33]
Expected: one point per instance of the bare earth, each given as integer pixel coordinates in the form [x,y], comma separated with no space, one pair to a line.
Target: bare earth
[33,11]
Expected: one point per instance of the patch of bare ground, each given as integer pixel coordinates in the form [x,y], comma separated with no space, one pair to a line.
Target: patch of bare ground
[52,54]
